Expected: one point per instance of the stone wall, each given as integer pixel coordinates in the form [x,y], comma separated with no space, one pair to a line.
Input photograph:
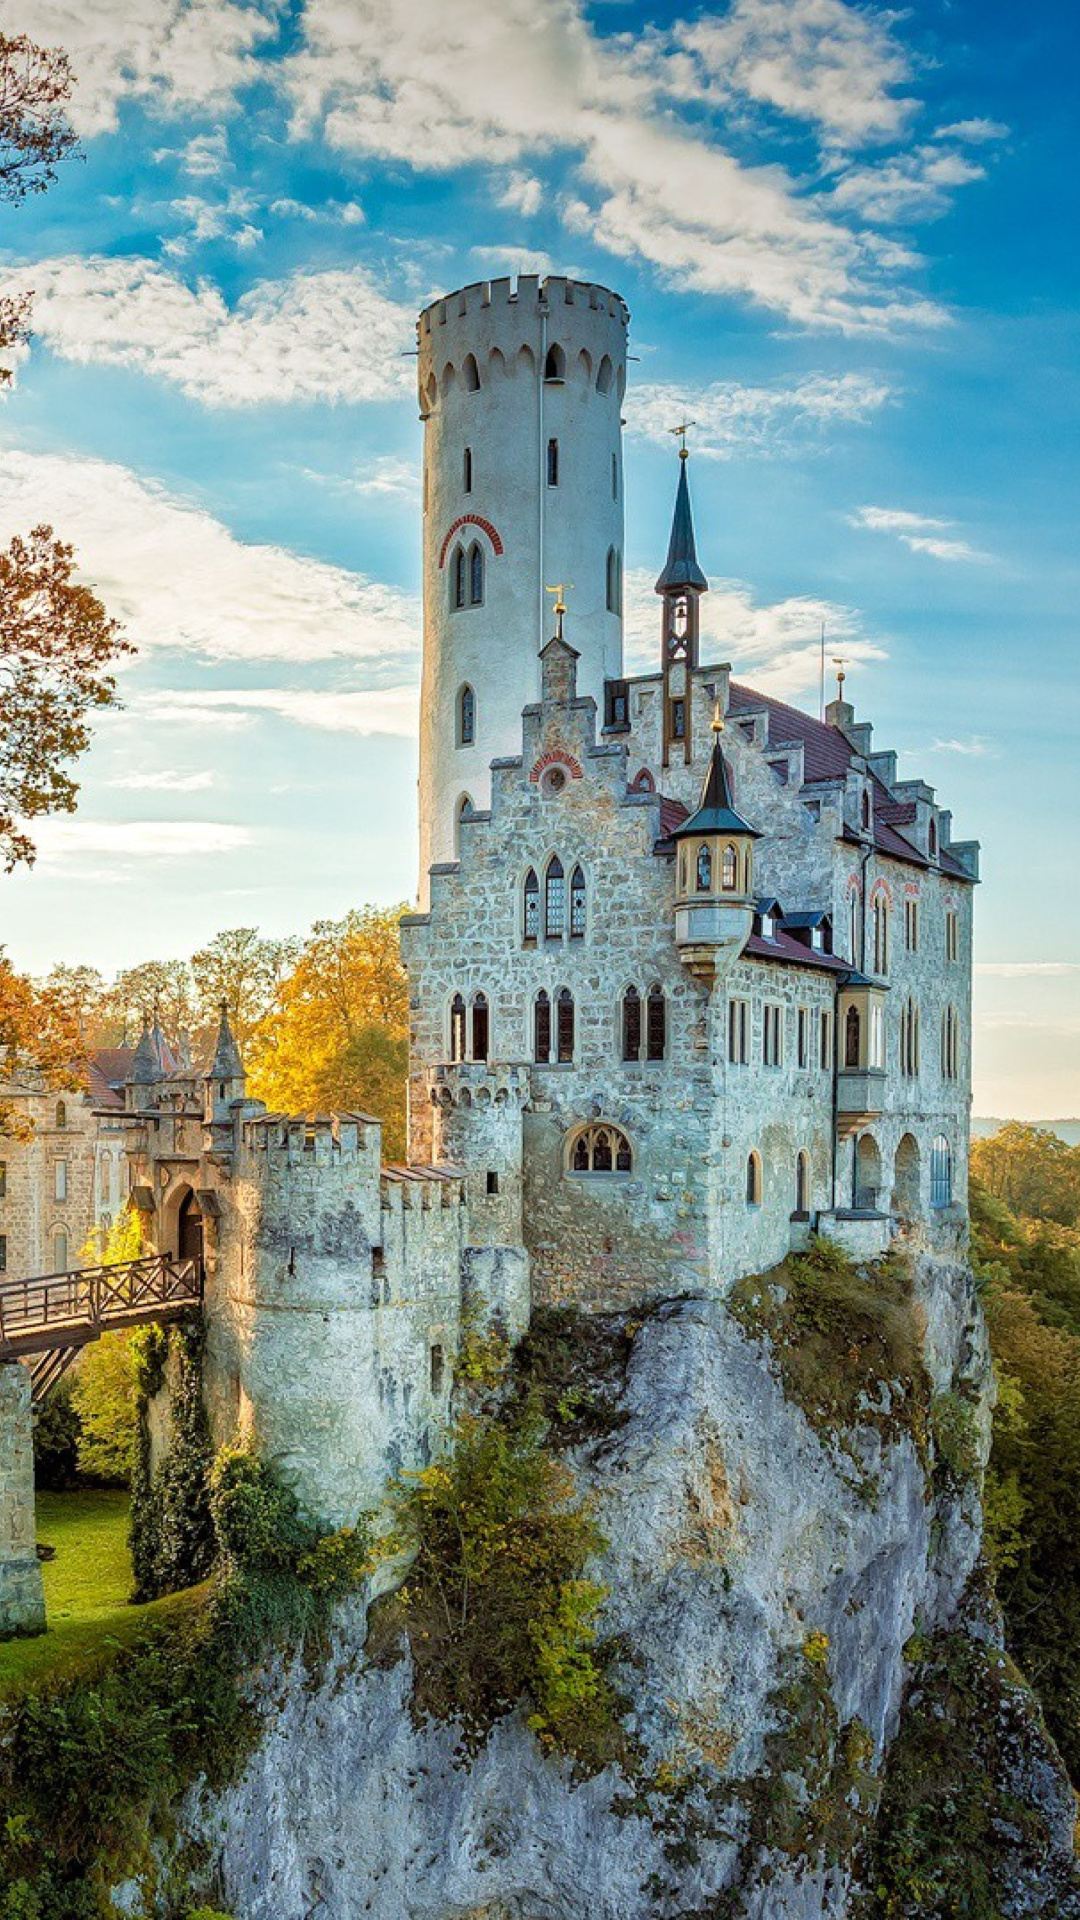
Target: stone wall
[22,1596]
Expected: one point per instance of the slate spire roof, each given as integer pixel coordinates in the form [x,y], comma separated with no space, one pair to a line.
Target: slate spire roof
[681,569]
[226,1063]
[715,813]
[153,1059]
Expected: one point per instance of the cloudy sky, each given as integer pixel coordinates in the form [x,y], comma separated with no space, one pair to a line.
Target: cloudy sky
[847,235]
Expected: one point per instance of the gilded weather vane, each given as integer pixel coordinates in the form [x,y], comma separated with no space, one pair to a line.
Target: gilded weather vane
[560,593]
[681,431]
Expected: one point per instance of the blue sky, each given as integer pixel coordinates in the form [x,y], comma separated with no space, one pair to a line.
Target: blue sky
[847,239]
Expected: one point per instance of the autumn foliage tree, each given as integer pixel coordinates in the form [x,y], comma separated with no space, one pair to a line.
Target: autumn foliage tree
[56,640]
[338,1032]
[39,1036]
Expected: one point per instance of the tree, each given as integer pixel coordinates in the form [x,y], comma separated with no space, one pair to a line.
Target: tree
[1032,1170]
[338,1033]
[39,1037]
[56,640]
[103,1389]
[80,992]
[158,990]
[244,970]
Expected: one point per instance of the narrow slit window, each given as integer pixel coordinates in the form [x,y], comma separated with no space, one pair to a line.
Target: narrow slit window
[467,475]
[457,1028]
[553,463]
[631,1024]
[458,577]
[481,1026]
[542,1028]
[655,1024]
[467,718]
[565,1026]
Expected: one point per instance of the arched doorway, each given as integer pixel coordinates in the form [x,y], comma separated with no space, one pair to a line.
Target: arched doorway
[906,1178]
[867,1174]
[189,1228]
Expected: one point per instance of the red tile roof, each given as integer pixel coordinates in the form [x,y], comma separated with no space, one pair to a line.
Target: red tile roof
[672,815]
[106,1071]
[793,953]
[826,753]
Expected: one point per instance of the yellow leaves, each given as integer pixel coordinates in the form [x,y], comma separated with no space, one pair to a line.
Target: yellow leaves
[816,1649]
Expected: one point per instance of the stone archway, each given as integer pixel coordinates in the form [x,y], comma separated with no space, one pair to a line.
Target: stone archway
[867,1174]
[907,1178]
[189,1228]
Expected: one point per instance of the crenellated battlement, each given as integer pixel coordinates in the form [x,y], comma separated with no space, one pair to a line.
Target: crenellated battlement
[501,329]
[479,1084]
[326,1136]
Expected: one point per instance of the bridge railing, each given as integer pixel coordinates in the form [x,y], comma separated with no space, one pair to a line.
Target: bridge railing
[56,1309]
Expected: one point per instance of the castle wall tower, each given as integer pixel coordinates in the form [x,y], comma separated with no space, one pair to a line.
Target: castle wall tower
[520,393]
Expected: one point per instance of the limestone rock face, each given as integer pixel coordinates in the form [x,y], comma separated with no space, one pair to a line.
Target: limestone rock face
[764,1583]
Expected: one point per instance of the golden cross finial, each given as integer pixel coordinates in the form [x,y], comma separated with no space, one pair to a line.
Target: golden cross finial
[717,719]
[840,663]
[559,609]
[683,429]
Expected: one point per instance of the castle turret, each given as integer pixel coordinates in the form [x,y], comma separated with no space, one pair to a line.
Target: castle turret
[225,1080]
[714,900]
[681,585]
[520,394]
[151,1063]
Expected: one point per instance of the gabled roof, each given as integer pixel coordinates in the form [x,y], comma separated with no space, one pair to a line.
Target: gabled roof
[106,1072]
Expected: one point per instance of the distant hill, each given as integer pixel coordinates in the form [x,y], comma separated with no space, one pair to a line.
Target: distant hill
[1067,1130]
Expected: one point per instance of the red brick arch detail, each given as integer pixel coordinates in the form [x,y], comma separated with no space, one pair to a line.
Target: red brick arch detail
[881,889]
[471,520]
[557,759]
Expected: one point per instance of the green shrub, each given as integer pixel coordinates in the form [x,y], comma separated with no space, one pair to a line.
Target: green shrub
[173,1543]
[496,1606]
[955,1428]
[56,1442]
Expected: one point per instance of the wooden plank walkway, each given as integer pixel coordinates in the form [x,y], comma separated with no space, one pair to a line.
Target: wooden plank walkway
[47,1320]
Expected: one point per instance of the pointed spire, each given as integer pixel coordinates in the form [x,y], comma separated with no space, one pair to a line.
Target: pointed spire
[146,1065]
[681,569]
[715,812]
[226,1064]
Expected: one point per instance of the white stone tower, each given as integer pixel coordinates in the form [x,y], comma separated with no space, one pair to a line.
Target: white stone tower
[520,393]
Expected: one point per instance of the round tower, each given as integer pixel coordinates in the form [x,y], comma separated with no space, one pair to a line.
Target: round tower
[520,394]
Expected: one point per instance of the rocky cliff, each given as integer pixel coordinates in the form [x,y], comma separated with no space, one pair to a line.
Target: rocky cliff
[821,1719]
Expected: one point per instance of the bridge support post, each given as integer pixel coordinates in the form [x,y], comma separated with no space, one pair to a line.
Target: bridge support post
[22,1595]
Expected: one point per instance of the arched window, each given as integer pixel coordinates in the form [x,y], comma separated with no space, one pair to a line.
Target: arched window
[470,374]
[729,869]
[59,1251]
[853,928]
[655,1024]
[577,905]
[802,1182]
[467,475]
[476,575]
[754,1181]
[881,933]
[553,463]
[481,1026]
[465,811]
[466,717]
[600,1148]
[941,1173]
[950,1044]
[564,1026]
[866,811]
[61,1113]
[457,1028]
[631,1024]
[458,577]
[852,1037]
[531,921]
[555,364]
[555,900]
[605,375]
[614,581]
[704,869]
[542,1028]
[909,1039]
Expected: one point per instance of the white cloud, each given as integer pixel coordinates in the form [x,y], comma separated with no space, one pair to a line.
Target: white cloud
[918,185]
[1019,969]
[178,578]
[918,532]
[816,60]
[976,131]
[171,55]
[345,213]
[164,780]
[524,193]
[729,417]
[776,646]
[62,839]
[228,219]
[365,710]
[973,749]
[318,336]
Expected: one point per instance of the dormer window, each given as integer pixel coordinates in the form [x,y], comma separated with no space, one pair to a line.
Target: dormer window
[768,926]
[817,939]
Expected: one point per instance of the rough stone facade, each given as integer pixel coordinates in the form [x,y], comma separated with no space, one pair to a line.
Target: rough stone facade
[22,1596]
[61,1175]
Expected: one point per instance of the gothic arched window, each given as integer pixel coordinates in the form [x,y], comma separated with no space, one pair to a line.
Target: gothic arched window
[61,1113]
[564,1026]
[853,929]
[704,869]
[555,364]
[542,1028]
[600,1148]
[941,1172]
[466,717]
[802,1182]
[631,1024]
[470,374]
[458,580]
[577,905]
[729,869]
[531,922]
[481,1027]
[881,933]
[852,1037]
[457,1028]
[605,375]
[555,900]
[476,574]
[655,1024]
[754,1180]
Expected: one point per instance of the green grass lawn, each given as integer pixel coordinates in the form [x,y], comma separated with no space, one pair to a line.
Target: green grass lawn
[86,1590]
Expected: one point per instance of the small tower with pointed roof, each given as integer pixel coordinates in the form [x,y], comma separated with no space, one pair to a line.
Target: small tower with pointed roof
[225,1080]
[714,897]
[680,586]
[152,1063]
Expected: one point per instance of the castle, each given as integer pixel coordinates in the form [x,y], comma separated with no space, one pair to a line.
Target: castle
[689,982]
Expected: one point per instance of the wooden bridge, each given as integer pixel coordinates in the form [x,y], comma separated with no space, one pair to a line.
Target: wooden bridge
[46,1321]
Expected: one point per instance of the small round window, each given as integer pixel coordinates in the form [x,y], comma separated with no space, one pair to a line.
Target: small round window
[554,780]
